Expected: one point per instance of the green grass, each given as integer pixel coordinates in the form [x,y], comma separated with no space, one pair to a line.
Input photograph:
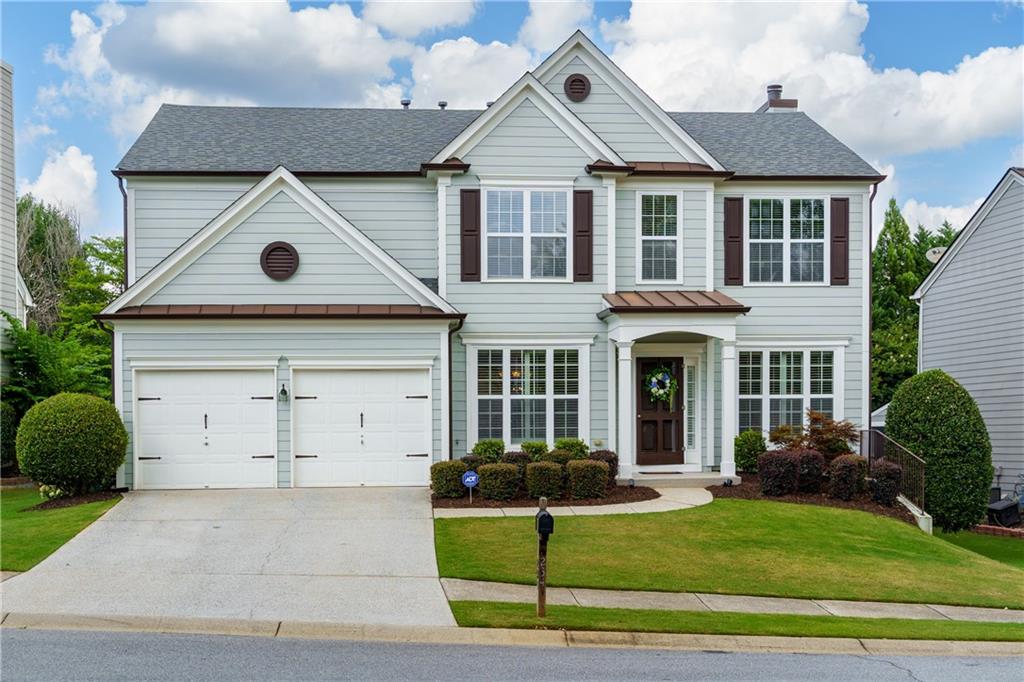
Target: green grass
[28,537]
[734,547]
[501,615]
[1007,550]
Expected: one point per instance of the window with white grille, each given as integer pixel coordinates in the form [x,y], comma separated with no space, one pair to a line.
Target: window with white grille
[786,241]
[796,380]
[526,234]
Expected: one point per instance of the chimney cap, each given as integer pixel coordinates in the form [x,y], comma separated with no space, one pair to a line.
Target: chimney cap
[406,102]
[774,91]
[442,104]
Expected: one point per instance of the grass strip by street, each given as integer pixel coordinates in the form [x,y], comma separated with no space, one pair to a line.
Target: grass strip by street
[1005,549]
[28,537]
[506,615]
[734,546]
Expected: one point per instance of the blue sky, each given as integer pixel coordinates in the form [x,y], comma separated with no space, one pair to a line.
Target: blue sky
[85,87]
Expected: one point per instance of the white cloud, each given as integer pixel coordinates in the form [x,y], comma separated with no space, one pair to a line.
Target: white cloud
[550,22]
[30,133]
[411,18]
[720,57]
[919,213]
[68,180]
[466,73]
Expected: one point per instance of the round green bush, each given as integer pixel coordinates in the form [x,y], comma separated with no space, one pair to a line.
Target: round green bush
[937,419]
[446,478]
[612,460]
[557,456]
[588,478]
[472,462]
[499,481]
[8,433]
[72,441]
[748,446]
[544,479]
[520,459]
[780,471]
[574,446]
[489,450]
[535,449]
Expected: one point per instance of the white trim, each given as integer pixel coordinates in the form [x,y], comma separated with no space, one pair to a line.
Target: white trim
[525,339]
[611,224]
[640,101]
[1011,176]
[865,318]
[639,238]
[693,355]
[797,189]
[443,182]
[284,326]
[920,336]
[117,365]
[443,355]
[709,456]
[709,239]
[527,235]
[279,180]
[635,327]
[541,182]
[362,362]
[787,241]
[529,88]
[226,362]
[242,183]
[131,246]
[612,397]
[784,342]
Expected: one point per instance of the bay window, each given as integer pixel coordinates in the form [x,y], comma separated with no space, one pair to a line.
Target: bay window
[786,241]
[526,234]
[795,381]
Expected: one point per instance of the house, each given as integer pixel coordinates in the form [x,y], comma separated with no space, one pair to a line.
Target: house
[330,297]
[15,298]
[971,322]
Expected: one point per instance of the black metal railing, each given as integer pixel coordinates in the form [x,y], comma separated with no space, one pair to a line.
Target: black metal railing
[875,445]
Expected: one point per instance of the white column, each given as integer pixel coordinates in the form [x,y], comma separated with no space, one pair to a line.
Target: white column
[729,407]
[612,399]
[443,181]
[626,441]
[609,185]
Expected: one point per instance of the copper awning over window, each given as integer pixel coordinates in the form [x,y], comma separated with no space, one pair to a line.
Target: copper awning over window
[672,302]
[277,311]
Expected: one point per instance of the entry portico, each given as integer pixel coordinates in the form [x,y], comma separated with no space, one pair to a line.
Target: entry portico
[684,332]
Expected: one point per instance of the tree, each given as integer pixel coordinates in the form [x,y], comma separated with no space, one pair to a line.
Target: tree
[48,247]
[96,279]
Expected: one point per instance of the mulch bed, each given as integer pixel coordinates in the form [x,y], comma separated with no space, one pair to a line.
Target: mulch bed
[750,489]
[62,502]
[617,495]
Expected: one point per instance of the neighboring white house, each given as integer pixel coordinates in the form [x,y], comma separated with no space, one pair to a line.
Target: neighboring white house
[971,322]
[326,297]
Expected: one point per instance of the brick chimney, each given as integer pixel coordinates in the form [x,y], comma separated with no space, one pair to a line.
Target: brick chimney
[775,103]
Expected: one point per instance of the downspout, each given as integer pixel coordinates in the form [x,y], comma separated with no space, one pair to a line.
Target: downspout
[124,225]
[871,293]
[451,398]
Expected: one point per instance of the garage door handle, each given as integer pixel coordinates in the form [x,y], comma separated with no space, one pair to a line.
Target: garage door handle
[419,454]
[262,397]
[416,397]
[141,398]
[263,457]
[306,456]
[142,459]
[305,397]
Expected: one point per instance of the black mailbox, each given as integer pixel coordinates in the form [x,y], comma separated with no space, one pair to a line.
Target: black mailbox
[545,523]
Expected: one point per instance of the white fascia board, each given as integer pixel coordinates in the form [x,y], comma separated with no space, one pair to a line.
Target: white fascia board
[525,339]
[529,88]
[968,230]
[647,108]
[278,180]
[26,295]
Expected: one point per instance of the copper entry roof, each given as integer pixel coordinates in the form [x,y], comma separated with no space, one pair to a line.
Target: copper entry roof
[309,311]
[672,302]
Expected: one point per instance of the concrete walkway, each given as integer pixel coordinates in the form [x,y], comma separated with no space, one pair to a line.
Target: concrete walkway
[672,499]
[473,590]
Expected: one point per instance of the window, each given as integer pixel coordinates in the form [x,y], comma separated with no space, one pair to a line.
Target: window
[528,393]
[527,234]
[659,236]
[796,380]
[786,241]
[691,406]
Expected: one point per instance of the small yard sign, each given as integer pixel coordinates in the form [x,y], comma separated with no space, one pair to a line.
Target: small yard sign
[470,479]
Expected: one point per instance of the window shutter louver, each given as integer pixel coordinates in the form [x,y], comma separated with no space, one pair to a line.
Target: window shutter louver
[469,234]
[583,236]
[839,249]
[734,240]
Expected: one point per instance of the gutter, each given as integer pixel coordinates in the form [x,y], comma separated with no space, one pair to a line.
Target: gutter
[451,399]
[124,225]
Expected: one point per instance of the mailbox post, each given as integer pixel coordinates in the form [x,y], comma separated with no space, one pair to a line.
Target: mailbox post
[545,524]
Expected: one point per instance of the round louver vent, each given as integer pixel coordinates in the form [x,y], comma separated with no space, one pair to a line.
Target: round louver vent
[577,87]
[279,260]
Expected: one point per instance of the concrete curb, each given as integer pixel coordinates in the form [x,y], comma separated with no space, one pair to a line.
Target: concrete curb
[671,499]
[508,637]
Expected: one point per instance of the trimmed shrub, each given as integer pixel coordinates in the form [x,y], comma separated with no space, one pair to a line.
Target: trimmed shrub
[535,449]
[748,446]
[811,470]
[885,482]
[499,481]
[574,446]
[588,478]
[446,478]
[472,462]
[557,456]
[489,450]
[8,432]
[72,441]
[779,471]
[845,476]
[544,479]
[937,419]
[823,434]
[520,459]
[612,460]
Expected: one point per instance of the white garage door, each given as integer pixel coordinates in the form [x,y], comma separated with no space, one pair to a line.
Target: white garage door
[361,427]
[205,429]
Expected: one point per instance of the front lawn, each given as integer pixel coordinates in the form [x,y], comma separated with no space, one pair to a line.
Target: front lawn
[734,547]
[502,615]
[1007,550]
[28,537]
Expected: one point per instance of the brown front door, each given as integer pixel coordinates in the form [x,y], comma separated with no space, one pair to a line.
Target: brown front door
[659,424]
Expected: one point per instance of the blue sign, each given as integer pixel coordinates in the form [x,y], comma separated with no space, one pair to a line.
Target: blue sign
[470,479]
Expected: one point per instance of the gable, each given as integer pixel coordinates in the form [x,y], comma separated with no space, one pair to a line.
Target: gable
[329,271]
[611,117]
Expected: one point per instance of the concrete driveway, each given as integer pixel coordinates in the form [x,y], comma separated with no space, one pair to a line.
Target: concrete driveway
[353,555]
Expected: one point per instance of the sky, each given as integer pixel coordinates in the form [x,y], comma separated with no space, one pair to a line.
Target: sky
[930,93]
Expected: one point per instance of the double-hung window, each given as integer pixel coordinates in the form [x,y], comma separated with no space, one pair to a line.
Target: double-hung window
[527,234]
[786,241]
[525,394]
[777,387]
[659,237]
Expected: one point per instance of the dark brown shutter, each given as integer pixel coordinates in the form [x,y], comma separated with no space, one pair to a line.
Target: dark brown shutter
[734,240]
[469,234]
[839,250]
[583,236]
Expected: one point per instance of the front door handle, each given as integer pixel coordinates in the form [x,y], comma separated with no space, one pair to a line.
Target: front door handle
[360,420]
[205,423]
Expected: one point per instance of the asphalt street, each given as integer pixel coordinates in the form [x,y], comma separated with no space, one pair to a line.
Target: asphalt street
[53,655]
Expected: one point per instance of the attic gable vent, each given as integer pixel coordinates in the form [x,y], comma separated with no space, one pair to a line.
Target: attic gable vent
[279,260]
[577,87]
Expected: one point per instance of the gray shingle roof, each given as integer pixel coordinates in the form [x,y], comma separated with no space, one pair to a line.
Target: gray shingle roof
[258,139]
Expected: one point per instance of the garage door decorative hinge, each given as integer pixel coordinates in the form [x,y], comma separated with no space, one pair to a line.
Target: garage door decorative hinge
[306,456]
[263,457]
[416,397]
[419,454]
[143,398]
[143,459]
[262,397]
[305,397]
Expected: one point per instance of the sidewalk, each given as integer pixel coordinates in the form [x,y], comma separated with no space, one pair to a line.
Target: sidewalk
[476,590]
[671,499]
